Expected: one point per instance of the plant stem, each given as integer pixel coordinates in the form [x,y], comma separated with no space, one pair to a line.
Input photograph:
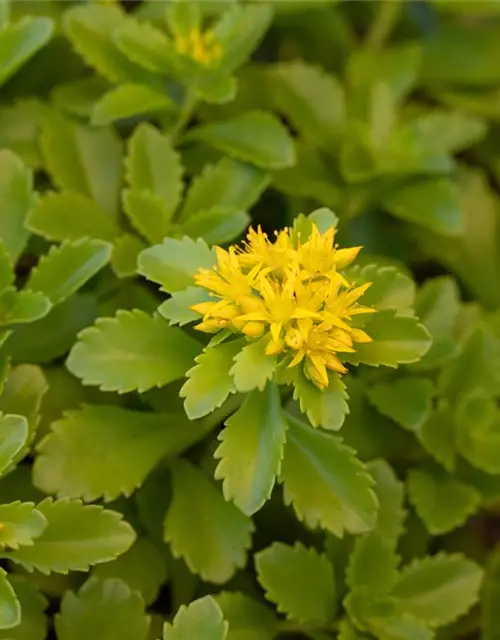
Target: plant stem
[388,12]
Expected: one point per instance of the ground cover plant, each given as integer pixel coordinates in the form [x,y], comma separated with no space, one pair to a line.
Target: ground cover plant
[250,330]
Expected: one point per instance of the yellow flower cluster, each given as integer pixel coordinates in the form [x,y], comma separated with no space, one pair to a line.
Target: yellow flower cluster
[292,291]
[199,46]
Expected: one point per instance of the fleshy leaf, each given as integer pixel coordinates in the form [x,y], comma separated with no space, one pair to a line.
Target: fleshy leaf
[101,609]
[131,442]
[437,436]
[208,533]
[407,401]
[255,137]
[70,216]
[442,502]
[76,537]
[173,263]
[251,449]
[18,307]
[146,45]
[15,201]
[202,620]
[10,609]
[13,436]
[66,268]
[490,597]
[132,351]
[247,618]
[21,524]
[325,482]
[252,367]
[177,309]
[390,494]
[129,100]
[300,581]
[33,625]
[324,407]
[217,225]
[209,383]
[389,289]
[126,250]
[438,589]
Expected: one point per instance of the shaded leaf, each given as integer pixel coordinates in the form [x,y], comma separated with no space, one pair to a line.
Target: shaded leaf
[22,306]
[19,41]
[10,610]
[15,201]
[13,436]
[218,225]
[33,625]
[407,401]
[129,100]
[202,619]
[247,618]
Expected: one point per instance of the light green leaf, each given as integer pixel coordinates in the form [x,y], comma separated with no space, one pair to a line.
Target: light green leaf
[229,183]
[177,309]
[202,619]
[396,340]
[22,395]
[490,597]
[477,424]
[89,28]
[209,383]
[33,625]
[386,622]
[390,494]
[16,182]
[173,263]
[78,97]
[22,306]
[153,165]
[299,581]
[325,482]
[6,269]
[13,436]
[251,450]
[441,501]
[102,609]
[5,11]
[208,533]
[10,609]
[256,137]
[252,367]
[324,407]
[132,351]
[439,589]
[131,442]
[126,250]
[146,46]
[70,216]
[182,17]
[390,288]
[21,524]
[437,436]
[312,100]
[129,100]
[20,41]
[76,537]
[407,401]
[66,268]
[19,127]
[217,89]
[147,213]
[143,567]
[247,618]
[217,225]
[87,161]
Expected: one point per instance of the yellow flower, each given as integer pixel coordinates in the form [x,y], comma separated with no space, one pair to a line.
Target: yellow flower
[293,293]
[202,47]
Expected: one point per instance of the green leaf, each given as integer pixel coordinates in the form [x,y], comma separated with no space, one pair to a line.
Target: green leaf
[177,309]
[147,213]
[21,524]
[6,270]
[208,533]
[66,268]
[13,436]
[20,41]
[132,351]
[129,100]
[324,407]
[209,383]
[70,216]
[396,340]
[153,165]
[255,137]
[247,618]
[33,625]
[146,46]
[10,610]
[102,609]
[390,288]
[439,589]
[228,183]
[217,89]
[182,17]
[16,183]
[252,367]
[76,537]
[489,597]
[143,567]
[390,494]
[312,100]
[299,581]
[437,436]
[19,127]
[22,306]
[251,450]
[217,225]
[173,263]
[89,29]
[78,97]
[386,622]
[407,401]
[202,619]
[87,161]
[432,202]
[325,482]
[442,502]
[131,442]
[126,250]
